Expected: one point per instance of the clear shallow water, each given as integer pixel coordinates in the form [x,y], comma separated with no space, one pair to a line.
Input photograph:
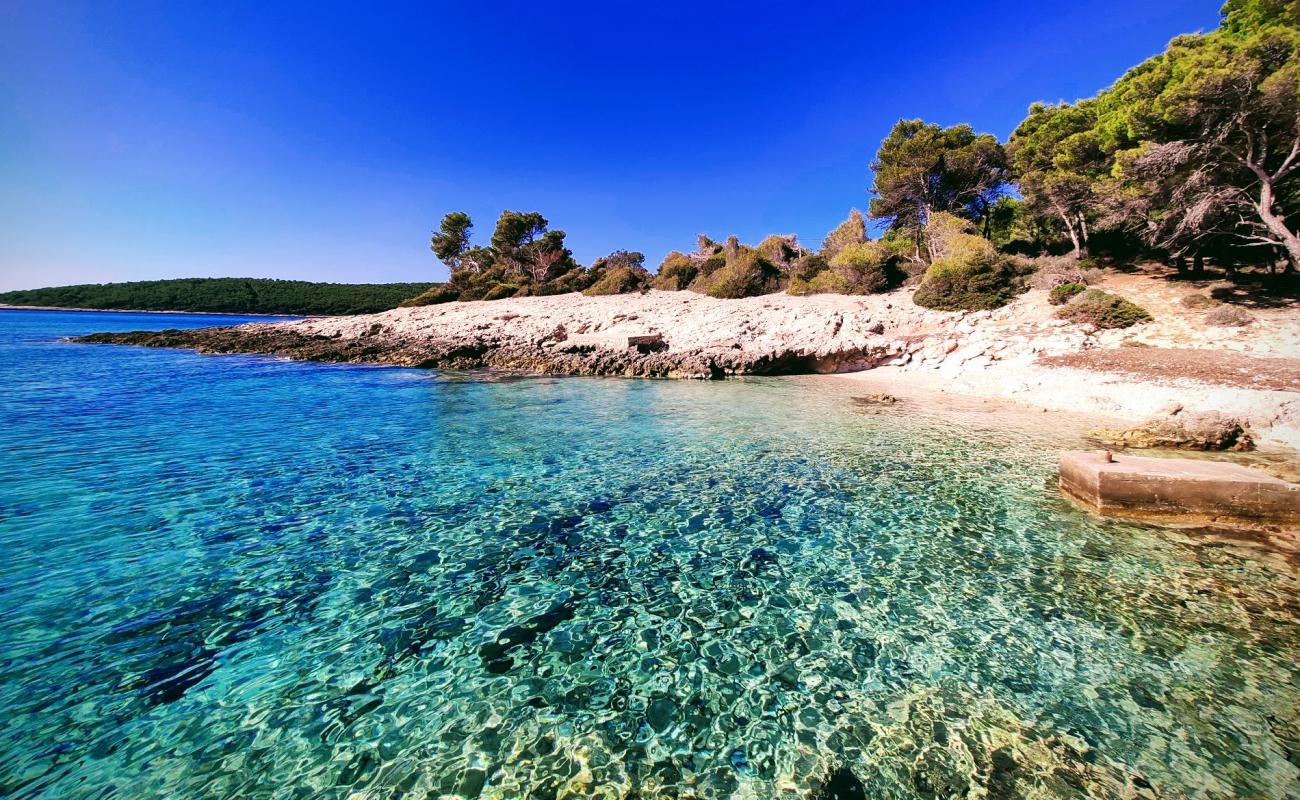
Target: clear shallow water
[237,577]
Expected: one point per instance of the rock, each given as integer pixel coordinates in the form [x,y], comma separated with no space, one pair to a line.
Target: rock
[1228,317]
[881,399]
[1177,428]
[841,784]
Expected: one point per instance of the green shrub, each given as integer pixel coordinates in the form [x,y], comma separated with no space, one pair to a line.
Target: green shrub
[620,280]
[864,266]
[1103,310]
[575,280]
[711,264]
[807,266]
[949,237]
[1198,300]
[675,272]
[498,291]
[857,268]
[1061,293]
[851,231]
[779,250]
[989,280]
[442,293]
[746,275]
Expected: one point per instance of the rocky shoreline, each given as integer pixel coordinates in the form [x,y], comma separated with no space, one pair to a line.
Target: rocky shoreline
[1020,352]
[700,337]
[550,357]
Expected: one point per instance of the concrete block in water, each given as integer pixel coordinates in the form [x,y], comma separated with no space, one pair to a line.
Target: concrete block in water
[1177,489]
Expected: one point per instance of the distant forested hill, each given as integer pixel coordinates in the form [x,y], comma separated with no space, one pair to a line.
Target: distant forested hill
[226,295]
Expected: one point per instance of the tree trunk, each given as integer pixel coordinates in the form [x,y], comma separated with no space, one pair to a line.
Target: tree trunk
[1083,236]
[1276,224]
[1074,236]
[1198,263]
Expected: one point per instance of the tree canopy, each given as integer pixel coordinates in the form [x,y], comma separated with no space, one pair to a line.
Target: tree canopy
[1195,150]
[224,295]
[922,168]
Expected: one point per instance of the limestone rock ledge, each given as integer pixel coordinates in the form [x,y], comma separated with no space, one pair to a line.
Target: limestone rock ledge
[676,334]
[549,358]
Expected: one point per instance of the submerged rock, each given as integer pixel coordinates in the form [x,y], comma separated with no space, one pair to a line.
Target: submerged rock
[1179,429]
[841,784]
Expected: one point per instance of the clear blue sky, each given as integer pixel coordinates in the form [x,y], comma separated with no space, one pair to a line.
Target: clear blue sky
[324,142]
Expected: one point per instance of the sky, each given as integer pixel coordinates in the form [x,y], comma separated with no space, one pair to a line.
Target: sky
[325,141]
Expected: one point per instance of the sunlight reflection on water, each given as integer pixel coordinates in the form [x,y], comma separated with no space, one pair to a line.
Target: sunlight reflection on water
[238,577]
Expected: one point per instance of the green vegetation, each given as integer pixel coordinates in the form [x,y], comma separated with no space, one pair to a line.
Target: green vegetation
[620,272]
[1062,292]
[967,272]
[225,295]
[1192,154]
[923,169]
[525,257]
[743,272]
[1103,310]
[676,272]
[857,268]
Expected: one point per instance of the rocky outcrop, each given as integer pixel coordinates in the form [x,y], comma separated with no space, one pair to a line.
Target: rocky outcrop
[1179,429]
[549,357]
[656,334]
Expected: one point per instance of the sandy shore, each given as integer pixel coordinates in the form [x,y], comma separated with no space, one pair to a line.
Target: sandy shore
[1250,372]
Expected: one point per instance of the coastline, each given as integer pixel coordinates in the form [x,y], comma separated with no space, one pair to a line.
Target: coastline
[4,307]
[1020,353]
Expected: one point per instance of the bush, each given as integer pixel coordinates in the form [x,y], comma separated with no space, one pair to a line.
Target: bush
[675,273]
[949,237]
[779,250]
[1053,271]
[620,280]
[748,274]
[1197,300]
[1103,310]
[575,280]
[808,266]
[1228,317]
[442,293]
[1062,292]
[499,291]
[987,280]
[851,231]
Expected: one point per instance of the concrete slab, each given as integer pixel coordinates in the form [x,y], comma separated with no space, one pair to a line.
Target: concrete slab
[1177,489]
[617,341]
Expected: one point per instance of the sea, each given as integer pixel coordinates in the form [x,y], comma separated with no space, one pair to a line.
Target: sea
[244,577]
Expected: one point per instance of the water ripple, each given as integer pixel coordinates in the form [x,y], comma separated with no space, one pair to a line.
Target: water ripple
[235,577]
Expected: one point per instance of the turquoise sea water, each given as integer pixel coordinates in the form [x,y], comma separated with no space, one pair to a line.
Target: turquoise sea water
[242,577]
